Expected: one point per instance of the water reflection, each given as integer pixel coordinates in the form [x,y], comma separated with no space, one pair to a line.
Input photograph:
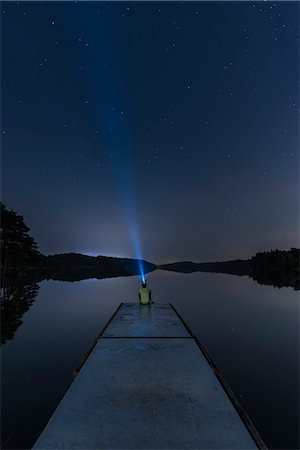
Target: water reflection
[15,302]
[262,276]
[278,279]
[19,295]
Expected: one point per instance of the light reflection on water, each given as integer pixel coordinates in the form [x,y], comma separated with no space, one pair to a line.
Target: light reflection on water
[250,331]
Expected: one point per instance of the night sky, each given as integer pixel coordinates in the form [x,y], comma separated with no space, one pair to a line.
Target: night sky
[175,124]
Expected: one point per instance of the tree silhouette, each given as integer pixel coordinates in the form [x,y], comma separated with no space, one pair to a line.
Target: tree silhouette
[18,248]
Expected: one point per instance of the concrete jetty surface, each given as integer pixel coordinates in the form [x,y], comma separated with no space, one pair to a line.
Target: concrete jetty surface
[146,384]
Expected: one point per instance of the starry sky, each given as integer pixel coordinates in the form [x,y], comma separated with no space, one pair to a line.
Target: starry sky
[169,126]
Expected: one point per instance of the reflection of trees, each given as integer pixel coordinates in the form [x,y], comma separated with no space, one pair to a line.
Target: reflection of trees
[15,301]
[277,268]
[277,279]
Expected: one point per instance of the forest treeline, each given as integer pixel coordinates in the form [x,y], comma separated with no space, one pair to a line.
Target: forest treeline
[75,266]
[278,268]
[21,258]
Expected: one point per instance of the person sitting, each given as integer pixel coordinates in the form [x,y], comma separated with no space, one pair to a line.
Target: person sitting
[145,294]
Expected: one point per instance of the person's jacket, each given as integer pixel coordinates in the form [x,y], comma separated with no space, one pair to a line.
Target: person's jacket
[145,296]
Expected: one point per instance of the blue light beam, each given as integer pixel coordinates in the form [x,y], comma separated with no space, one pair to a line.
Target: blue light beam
[111,100]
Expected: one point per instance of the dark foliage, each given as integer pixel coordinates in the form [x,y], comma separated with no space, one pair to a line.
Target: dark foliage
[19,251]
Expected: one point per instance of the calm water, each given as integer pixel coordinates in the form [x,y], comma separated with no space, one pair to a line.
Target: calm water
[250,331]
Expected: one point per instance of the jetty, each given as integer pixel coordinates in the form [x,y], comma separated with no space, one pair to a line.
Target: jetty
[148,383]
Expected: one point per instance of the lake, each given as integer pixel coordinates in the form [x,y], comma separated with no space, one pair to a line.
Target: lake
[250,331]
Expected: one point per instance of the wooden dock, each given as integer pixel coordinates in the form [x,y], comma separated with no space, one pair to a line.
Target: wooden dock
[148,384]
